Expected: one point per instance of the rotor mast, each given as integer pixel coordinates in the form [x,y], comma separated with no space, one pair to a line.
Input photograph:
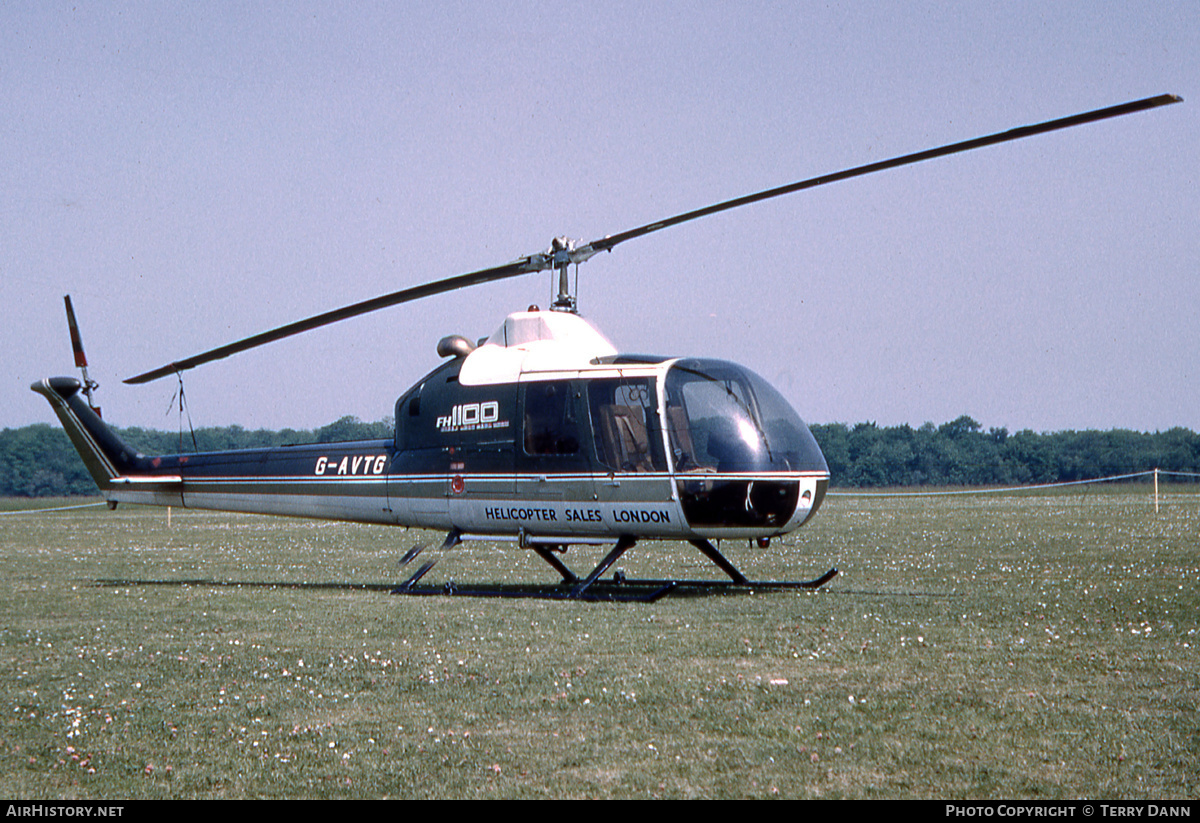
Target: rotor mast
[562,255]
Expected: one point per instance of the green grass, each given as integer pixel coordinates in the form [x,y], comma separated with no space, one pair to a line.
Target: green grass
[1036,646]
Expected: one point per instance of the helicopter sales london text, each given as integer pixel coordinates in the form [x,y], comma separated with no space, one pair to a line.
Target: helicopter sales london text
[576,515]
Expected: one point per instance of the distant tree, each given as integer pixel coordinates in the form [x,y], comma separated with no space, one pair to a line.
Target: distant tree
[834,440]
[39,461]
[351,428]
[1032,456]
[957,428]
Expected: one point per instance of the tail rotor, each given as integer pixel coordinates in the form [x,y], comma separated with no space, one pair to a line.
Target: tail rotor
[80,356]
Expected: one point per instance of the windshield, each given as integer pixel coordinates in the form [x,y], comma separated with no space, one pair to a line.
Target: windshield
[722,417]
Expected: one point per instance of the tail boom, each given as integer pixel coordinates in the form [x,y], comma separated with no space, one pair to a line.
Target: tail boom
[296,481]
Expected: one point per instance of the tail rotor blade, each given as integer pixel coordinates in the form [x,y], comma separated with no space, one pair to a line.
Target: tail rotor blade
[80,357]
[76,338]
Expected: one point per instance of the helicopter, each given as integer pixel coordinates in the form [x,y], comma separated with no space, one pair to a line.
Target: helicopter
[542,432]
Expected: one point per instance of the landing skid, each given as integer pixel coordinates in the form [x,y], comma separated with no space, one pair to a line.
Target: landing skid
[617,589]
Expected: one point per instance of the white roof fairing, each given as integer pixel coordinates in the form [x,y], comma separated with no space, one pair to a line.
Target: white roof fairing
[534,341]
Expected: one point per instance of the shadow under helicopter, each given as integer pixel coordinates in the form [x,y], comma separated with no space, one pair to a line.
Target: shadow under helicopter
[615,589]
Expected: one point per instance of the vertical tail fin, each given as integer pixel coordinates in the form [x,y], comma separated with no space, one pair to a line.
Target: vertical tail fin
[104,454]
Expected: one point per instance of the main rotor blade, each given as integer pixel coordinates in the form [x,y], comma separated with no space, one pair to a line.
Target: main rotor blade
[543,261]
[607,243]
[526,265]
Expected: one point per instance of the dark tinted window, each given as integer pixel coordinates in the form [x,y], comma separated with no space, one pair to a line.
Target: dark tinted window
[551,419]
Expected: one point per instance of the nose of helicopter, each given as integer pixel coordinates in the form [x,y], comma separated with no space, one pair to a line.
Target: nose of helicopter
[743,458]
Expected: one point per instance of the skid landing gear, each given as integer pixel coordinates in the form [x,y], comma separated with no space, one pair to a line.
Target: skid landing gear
[618,588]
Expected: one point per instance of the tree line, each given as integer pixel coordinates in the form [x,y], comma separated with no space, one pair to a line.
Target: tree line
[39,460]
[961,453]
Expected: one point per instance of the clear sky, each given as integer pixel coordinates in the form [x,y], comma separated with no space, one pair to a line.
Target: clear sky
[193,173]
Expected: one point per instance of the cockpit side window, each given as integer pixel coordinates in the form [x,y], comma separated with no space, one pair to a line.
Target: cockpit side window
[625,425]
[712,425]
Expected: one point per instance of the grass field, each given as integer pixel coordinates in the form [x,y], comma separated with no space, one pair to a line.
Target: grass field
[1033,646]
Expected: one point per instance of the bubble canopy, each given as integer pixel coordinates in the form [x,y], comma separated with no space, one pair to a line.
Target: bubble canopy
[724,417]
